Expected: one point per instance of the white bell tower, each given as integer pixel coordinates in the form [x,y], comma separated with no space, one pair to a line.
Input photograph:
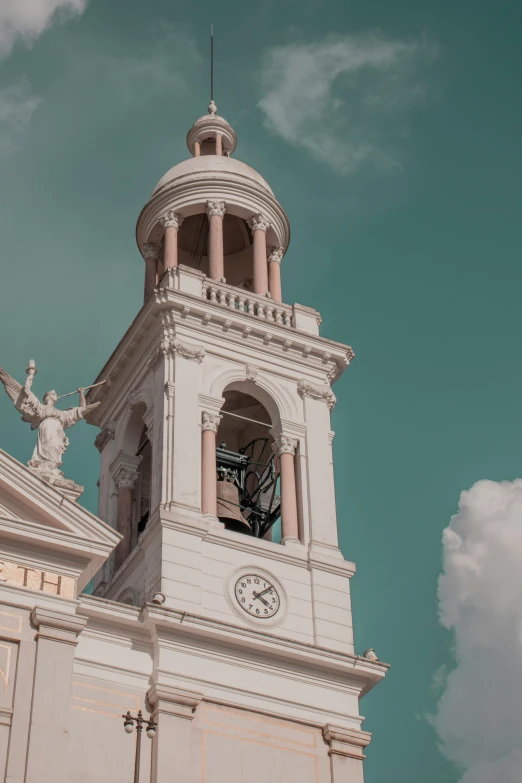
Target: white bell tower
[216,467]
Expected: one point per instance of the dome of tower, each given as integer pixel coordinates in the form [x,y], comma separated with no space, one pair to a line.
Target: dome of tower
[209,167]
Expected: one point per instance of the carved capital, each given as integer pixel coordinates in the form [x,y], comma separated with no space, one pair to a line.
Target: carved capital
[346,742]
[284,444]
[171,219]
[102,438]
[216,208]
[316,392]
[259,223]
[150,251]
[125,478]
[210,421]
[275,255]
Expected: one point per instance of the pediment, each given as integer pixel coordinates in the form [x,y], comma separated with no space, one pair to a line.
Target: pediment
[35,516]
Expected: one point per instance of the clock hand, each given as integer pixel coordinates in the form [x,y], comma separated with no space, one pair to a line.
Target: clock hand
[259,595]
[264,591]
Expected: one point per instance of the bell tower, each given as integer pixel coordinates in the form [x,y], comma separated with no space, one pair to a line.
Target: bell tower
[216,468]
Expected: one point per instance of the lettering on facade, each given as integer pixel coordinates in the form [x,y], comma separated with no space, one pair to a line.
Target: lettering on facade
[35,579]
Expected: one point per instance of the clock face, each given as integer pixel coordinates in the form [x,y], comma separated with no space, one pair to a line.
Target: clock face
[257,596]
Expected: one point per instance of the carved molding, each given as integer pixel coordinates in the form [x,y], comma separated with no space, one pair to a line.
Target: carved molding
[259,223]
[150,251]
[216,208]
[284,444]
[346,742]
[171,219]
[171,345]
[108,433]
[324,393]
[210,421]
[251,372]
[275,255]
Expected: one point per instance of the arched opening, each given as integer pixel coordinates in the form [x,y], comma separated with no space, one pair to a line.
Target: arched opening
[237,247]
[248,496]
[208,146]
[143,484]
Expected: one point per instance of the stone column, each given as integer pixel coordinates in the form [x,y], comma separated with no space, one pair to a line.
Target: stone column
[216,260]
[197,149]
[125,476]
[173,709]
[274,273]
[150,254]
[259,225]
[285,447]
[47,756]
[171,222]
[346,752]
[219,144]
[209,427]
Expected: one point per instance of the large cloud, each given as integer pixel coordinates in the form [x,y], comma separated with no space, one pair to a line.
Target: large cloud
[343,99]
[479,717]
[27,19]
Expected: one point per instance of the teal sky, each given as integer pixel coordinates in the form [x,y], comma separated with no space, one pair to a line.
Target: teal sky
[402,186]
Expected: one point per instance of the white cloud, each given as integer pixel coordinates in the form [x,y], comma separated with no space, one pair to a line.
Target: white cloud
[27,19]
[17,105]
[343,99]
[479,716]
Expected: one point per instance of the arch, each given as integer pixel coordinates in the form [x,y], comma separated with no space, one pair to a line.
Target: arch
[131,433]
[279,404]
[129,596]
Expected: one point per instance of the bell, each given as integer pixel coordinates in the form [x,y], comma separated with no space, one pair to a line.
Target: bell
[228,509]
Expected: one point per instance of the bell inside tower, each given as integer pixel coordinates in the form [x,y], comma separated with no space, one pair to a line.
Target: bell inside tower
[248,498]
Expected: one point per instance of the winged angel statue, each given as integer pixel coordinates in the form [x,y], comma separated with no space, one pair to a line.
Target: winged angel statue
[48,420]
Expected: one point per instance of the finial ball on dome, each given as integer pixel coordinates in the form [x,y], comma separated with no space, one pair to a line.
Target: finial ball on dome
[212,108]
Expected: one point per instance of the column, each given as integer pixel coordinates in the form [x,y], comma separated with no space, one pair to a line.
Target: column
[173,709]
[171,222]
[219,144]
[47,757]
[346,752]
[259,225]
[285,447]
[125,475]
[209,427]
[216,261]
[197,149]
[274,273]
[150,254]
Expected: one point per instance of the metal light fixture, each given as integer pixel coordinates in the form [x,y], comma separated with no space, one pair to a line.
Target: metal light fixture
[128,724]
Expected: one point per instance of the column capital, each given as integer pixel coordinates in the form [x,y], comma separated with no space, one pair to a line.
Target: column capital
[124,470]
[171,219]
[346,742]
[210,421]
[58,626]
[275,255]
[259,223]
[150,250]
[284,444]
[173,700]
[216,208]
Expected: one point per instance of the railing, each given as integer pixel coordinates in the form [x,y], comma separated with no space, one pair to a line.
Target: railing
[245,302]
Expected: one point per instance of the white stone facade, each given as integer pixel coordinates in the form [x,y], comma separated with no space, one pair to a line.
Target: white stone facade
[236,698]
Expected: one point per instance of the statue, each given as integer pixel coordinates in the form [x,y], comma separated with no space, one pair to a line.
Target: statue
[50,422]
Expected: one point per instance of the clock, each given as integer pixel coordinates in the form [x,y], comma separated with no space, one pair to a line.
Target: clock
[257,595]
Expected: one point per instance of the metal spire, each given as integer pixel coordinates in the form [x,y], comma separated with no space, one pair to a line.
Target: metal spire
[211,62]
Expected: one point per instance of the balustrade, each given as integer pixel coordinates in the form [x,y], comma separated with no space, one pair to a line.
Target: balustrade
[245,302]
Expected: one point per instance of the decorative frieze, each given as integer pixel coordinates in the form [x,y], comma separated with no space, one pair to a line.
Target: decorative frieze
[216,208]
[259,223]
[284,444]
[171,219]
[210,421]
[102,438]
[324,393]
